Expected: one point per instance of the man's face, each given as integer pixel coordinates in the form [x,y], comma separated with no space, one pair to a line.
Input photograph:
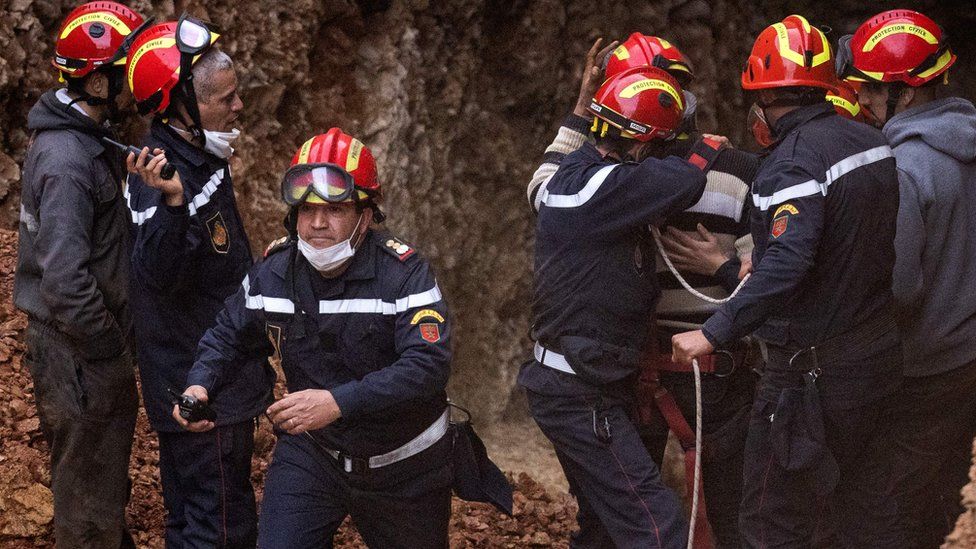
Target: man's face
[324,225]
[874,97]
[220,110]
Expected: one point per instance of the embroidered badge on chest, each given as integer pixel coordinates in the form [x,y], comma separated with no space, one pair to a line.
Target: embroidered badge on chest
[218,233]
[430,332]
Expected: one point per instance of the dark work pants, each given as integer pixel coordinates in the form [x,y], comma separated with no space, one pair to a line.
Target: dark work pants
[933,425]
[726,402]
[307,496]
[622,500]
[782,508]
[87,411]
[207,487]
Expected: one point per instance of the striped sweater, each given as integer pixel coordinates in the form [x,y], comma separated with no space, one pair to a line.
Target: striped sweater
[722,209]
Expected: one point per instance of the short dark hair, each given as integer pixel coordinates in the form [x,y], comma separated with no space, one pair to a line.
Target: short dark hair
[799,96]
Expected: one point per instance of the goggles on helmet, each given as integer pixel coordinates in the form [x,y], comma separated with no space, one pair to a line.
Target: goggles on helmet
[327,181]
[621,122]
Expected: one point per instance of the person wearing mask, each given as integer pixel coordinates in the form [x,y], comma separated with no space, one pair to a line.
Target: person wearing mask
[190,253]
[819,300]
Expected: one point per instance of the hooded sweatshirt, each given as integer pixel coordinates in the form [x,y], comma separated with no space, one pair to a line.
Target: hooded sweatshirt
[72,264]
[934,280]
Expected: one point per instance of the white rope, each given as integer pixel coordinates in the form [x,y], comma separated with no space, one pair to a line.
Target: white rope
[698,444]
[684,283]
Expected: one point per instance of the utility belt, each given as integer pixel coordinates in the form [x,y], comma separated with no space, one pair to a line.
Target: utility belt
[836,349]
[360,465]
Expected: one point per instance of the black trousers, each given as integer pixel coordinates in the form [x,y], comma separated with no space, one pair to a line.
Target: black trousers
[307,496]
[726,402]
[87,412]
[933,423]
[783,508]
[207,488]
[622,500]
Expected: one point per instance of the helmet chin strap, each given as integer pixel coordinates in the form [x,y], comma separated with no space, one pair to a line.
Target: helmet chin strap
[115,77]
[894,94]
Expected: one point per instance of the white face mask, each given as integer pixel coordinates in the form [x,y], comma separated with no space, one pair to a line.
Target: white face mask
[218,143]
[333,257]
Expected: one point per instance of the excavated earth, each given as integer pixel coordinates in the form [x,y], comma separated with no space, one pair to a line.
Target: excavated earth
[457,99]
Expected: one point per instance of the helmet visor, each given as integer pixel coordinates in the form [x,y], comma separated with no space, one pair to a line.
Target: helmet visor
[327,182]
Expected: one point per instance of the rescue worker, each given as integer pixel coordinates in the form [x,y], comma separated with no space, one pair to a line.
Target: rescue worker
[72,280]
[364,339]
[819,299]
[190,253]
[903,59]
[595,291]
[728,388]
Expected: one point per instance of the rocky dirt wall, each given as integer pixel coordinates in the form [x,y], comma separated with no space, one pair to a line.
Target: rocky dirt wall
[457,99]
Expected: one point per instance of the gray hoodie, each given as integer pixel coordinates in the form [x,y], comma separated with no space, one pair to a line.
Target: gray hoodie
[934,280]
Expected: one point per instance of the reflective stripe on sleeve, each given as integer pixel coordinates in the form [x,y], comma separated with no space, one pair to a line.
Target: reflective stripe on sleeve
[812,187]
[580,198]
[199,200]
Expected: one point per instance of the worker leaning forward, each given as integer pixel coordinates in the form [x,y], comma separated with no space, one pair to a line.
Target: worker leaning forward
[902,59]
[364,339]
[72,278]
[595,291]
[704,242]
[190,253]
[820,300]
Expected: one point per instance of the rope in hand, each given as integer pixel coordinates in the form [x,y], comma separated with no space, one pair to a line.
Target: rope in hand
[684,283]
[698,444]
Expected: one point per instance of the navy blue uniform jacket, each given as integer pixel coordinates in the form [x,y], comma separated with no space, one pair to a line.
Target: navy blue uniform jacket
[186,261]
[595,285]
[377,336]
[826,203]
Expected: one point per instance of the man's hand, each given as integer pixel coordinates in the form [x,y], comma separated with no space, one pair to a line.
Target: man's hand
[149,169]
[724,141]
[688,346]
[200,393]
[592,76]
[700,253]
[306,410]
[745,267]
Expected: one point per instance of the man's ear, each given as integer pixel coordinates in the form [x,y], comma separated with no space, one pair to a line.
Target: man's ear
[97,84]
[906,97]
[367,220]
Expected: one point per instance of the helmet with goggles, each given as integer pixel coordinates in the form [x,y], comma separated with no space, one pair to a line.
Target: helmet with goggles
[643,103]
[161,63]
[791,53]
[332,167]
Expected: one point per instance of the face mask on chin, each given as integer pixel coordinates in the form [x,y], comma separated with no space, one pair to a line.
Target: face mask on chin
[218,143]
[326,260]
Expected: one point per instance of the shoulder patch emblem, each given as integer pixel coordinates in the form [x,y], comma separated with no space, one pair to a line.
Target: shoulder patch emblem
[218,233]
[779,226]
[426,313]
[430,332]
[397,248]
[786,208]
[275,246]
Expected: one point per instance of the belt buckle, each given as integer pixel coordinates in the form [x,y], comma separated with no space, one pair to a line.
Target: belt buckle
[731,357]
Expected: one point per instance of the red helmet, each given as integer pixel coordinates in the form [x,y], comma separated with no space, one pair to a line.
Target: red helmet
[328,168]
[154,68]
[790,53]
[643,103]
[641,50]
[92,35]
[844,99]
[895,46]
